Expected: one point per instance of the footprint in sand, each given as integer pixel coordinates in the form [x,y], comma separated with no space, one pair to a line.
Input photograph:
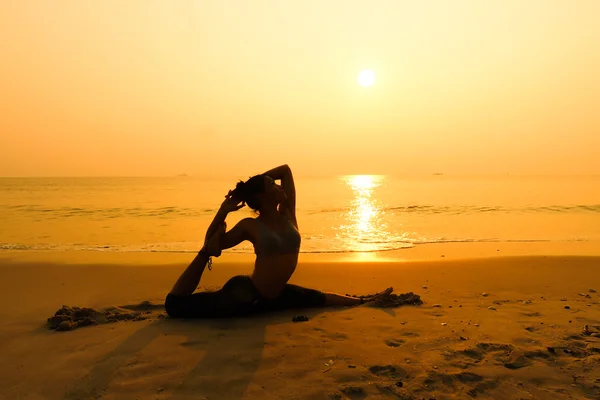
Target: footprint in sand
[330,335]
[526,341]
[495,347]
[481,387]
[468,377]
[532,328]
[395,342]
[410,334]
[437,380]
[517,360]
[531,314]
[480,352]
[539,354]
[436,313]
[353,392]
[505,354]
[390,371]
[336,336]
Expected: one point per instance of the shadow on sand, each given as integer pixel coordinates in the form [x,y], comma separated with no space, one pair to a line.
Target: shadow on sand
[210,375]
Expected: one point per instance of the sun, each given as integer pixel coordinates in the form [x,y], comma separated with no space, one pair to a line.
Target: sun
[366,78]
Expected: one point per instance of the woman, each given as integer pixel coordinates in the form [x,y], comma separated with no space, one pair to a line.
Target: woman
[274,234]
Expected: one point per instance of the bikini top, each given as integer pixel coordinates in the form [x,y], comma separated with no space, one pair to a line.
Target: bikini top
[271,243]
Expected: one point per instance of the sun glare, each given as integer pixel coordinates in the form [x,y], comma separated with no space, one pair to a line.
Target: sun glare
[364,213]
[362,182]
[366,78]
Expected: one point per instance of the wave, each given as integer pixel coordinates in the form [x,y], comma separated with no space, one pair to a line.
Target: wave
[110,212]
[458,210]
[193,247]
[46,212]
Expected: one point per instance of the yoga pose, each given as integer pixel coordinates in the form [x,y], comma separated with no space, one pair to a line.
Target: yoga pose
[274,234]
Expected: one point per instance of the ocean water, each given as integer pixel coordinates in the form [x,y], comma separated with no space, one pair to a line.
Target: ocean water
[359,213]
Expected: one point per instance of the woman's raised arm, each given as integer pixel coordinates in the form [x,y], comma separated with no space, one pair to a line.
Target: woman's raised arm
[284,173]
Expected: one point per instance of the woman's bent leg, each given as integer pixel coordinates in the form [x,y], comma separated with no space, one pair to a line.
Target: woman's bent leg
[237,297]
[190,278]
[197,305]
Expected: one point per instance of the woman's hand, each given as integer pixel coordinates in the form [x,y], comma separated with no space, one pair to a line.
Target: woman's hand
[231,204]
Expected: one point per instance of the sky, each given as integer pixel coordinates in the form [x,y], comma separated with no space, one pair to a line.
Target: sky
[229,88]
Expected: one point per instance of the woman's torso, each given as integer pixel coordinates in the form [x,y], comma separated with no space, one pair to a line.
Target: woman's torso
[277,246]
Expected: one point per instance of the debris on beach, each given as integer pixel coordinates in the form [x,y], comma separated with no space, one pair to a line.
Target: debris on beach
[485,294]
[385,300]
[567,307]
[396,300]
[299,318]
[69,318]
[592,290]
[492,308]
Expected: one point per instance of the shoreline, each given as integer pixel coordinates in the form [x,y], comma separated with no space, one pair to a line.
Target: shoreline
[423,252]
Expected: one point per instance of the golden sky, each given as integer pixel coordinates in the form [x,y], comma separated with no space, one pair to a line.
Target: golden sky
[142,87]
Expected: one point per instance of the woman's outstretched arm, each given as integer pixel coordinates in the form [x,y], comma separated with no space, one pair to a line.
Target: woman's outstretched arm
[225,240]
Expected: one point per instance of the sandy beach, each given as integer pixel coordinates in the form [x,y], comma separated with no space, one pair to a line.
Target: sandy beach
[446,149]
[503,327]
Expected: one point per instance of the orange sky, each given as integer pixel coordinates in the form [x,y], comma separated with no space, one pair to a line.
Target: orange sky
[235,87]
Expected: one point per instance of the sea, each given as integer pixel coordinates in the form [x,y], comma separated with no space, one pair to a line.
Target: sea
[341,214]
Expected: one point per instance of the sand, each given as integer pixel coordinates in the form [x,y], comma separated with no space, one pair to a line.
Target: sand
[497,327]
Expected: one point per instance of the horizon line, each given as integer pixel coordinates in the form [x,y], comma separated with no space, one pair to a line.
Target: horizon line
[307,176]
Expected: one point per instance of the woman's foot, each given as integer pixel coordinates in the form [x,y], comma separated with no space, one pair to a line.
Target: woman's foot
[372,297]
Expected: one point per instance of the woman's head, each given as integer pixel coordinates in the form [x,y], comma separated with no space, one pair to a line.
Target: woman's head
[259,191]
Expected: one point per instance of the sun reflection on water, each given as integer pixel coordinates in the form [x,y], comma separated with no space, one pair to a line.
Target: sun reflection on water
[365,226]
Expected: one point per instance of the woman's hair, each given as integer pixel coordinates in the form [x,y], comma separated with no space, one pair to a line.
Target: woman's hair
[247,191]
